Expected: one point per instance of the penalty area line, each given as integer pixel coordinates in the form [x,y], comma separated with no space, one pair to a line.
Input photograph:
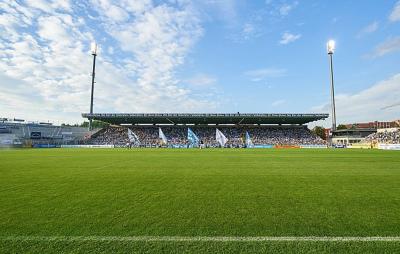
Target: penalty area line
[203,238]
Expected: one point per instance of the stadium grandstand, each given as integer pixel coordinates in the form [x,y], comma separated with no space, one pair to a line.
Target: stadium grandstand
[206,130]
[18,133]
[368,133]
[385,136]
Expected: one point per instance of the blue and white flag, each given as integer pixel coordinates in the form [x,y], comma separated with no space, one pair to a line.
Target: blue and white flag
[162,136]
[133,138]
[192,138]
[220,137]
[249,143]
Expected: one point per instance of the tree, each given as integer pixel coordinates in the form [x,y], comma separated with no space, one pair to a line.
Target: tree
[319,131]
[341,127]
[69,125]
[95,124]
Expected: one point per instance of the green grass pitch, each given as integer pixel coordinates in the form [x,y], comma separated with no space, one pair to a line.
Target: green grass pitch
[186,193]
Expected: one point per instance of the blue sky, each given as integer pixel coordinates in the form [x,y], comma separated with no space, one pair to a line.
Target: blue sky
[199,56]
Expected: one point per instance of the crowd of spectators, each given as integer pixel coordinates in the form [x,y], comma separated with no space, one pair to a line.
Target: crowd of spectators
[109,136]
[177,135]
[385,137]
[286,136]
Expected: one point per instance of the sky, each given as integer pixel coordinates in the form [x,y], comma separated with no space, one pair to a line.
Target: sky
[201,56]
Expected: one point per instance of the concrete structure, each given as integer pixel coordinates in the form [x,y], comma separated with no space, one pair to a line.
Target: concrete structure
[14,134]
[198,118]
[350,136]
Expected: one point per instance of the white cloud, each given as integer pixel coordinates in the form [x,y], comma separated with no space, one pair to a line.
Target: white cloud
[50,6]
[114,12]
[262,74]
[278,103]
[395,14]
[286,8]
[159,40]
[223,9]
[253,27]
[248,31]
[369,29]
[278,10]
[377,102]
[389,46]
[289,38]
[202,80]
[395,105]
[52,58]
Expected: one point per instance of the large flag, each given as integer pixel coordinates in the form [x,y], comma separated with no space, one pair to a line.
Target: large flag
[220,137]
[192,138]
[249,143]
[162,136]
[133,138]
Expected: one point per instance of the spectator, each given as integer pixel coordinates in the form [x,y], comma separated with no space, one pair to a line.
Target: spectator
[385,137]
[177,135]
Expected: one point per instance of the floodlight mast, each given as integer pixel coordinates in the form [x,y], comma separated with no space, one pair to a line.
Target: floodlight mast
[331,49]
[94,54]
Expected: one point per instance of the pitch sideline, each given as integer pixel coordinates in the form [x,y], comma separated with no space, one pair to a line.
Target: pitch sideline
[204,238]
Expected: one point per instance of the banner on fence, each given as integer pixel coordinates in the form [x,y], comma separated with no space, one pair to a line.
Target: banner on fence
[286,146]
[178,146]
[360,146]
[87,146]
[313,146]
[263,146]
[45,146]
[389,146]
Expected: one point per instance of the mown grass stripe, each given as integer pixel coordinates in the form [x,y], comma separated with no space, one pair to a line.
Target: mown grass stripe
[204,238]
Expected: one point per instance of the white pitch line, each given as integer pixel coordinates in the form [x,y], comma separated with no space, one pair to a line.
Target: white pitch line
[203,238]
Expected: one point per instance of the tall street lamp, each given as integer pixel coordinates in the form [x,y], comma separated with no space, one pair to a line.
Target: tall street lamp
[94,54]
[331,49]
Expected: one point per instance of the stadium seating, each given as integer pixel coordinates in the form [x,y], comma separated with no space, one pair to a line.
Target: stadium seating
[177,135]
[385,137]
[30,133]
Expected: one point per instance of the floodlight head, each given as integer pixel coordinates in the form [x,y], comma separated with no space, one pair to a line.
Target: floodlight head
[93,48]
[330,46]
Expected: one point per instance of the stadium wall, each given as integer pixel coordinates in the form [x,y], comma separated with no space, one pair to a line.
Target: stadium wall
[389,146]
[361,146]
[313,146]
[184,146]
[87,146]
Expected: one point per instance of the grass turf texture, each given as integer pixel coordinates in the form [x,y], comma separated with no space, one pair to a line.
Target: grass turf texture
[248,192]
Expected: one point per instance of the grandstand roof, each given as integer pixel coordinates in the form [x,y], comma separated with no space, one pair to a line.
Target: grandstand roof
[188,118]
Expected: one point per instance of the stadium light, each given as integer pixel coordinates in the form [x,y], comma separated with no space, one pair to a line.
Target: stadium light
[330,46]
[331,49]
[93,47]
